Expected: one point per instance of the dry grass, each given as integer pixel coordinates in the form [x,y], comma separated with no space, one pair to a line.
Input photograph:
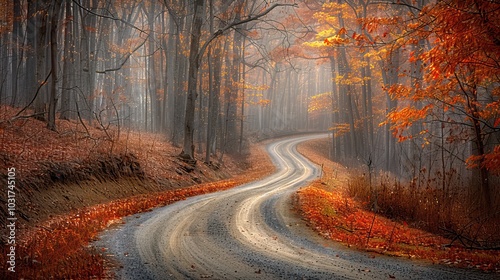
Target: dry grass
[448,213]
[337,207]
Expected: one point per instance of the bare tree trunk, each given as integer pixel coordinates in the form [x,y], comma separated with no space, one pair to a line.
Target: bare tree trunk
[41,54]
[68,65]
[188,146]
[55,8]
[242,119]
[180,77]
[472,109]
[16,41]
[232,94]
[170,54]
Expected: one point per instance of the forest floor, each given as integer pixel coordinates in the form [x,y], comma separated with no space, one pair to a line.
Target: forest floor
[328,209]
[63,170]
[72,183]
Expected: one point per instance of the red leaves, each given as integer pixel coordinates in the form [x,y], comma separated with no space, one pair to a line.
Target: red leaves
[497,123]
[339,218]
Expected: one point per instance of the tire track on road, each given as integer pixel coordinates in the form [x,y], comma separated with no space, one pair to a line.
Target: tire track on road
[249,232]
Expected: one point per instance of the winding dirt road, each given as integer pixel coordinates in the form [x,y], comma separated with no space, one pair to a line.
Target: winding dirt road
[249,232]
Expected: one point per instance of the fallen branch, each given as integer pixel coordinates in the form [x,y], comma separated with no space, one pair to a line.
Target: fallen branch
[17,117]
[466,241]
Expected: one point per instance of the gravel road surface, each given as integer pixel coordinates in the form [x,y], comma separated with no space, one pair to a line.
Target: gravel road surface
[250,232]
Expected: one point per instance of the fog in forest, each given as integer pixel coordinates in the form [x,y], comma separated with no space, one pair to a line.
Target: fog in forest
[395,83]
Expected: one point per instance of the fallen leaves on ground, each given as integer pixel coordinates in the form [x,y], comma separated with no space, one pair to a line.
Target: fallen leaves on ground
[58,248]
[327,208]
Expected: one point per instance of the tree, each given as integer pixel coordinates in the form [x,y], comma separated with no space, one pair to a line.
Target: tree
[54,18]
[195,55]
[462,71]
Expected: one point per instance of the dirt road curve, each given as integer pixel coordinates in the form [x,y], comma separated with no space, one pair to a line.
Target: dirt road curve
[249,232]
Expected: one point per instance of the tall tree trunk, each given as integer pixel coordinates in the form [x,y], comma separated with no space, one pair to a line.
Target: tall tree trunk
[215,62]
[41,42]
[242,119]
[231,141]
[188,146]
[55,8]
[171,53]
[472,109]
[179,92]
[68,65]
[16,41]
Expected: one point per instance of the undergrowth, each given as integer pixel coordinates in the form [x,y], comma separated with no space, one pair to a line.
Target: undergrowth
[339,207]
[455,214]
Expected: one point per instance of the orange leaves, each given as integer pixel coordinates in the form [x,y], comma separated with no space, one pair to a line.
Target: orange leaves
[497,123]
[461,39]
[412,58]
[337,217]
[402,119]
[320,102]
[340,218]
[341,129]
[58,249]
[490,161]
[336,40]
[342,31]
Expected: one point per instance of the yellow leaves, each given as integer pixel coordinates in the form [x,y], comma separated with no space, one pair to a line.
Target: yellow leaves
[320,102]
[336,40]
[315,44]
[264,102]
[326,33]
[329,37]
[341,129]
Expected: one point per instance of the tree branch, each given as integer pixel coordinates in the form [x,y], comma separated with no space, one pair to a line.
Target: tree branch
[221,31]
[109,17]
[124,60]
[36,94]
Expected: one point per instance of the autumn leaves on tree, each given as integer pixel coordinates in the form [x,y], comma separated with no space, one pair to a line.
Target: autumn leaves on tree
[425,72]
[410,87]
[459,93]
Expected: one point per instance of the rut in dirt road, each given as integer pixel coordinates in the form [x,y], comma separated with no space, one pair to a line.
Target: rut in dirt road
[249,232]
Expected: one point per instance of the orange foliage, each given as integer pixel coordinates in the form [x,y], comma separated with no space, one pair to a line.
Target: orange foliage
[461,71]
[58,247]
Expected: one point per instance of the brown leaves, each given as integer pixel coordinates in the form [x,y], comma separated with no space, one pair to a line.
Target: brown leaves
[58,248]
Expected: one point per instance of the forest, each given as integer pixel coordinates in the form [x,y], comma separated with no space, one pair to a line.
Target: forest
[409,90]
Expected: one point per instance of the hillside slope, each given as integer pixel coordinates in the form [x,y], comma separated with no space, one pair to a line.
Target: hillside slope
[84,164]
